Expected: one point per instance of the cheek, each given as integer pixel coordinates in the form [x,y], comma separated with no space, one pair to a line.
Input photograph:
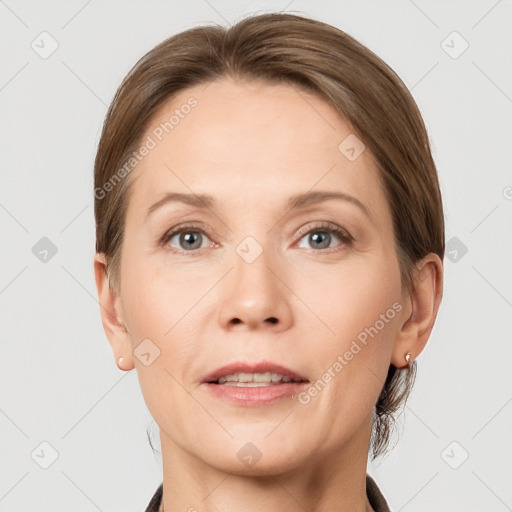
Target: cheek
[351,296]
[358,305]
[161,309]
[170,307]
[156,298]
[148,306]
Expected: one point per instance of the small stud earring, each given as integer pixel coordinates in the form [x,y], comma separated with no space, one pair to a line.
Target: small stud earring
[121,359]
[408,357]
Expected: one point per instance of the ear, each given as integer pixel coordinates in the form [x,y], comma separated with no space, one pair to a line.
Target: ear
[421,310]
[112,316]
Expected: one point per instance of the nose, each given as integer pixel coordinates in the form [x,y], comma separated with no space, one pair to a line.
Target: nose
[255,296]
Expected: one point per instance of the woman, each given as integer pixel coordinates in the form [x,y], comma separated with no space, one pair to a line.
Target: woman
[269,252]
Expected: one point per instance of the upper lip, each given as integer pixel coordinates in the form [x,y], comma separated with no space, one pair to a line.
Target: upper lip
[261,367]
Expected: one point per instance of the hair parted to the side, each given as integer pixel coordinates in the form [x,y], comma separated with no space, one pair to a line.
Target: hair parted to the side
[309,55]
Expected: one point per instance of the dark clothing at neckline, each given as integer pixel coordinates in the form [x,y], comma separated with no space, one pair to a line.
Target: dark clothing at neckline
[375,497]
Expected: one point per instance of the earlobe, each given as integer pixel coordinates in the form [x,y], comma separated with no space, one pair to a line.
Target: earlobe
[112,316]
[424,304]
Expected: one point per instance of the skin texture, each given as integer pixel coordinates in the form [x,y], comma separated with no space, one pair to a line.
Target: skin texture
[252,145]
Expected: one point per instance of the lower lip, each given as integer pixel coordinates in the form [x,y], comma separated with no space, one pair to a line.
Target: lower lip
[254,396]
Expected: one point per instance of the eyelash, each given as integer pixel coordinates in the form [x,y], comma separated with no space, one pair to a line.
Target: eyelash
[343,234]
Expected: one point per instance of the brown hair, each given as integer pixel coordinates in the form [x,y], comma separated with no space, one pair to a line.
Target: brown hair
[281,47]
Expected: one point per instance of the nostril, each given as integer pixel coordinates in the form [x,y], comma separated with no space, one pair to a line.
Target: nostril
[273,319]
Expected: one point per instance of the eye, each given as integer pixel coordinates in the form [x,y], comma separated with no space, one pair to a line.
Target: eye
[321,236]
[191,238]
[186,239]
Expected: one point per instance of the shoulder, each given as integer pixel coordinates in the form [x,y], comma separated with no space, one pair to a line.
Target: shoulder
[154,504]
[375,497]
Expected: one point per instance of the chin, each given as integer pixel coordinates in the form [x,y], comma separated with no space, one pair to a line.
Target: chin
[270,465]
[253,456]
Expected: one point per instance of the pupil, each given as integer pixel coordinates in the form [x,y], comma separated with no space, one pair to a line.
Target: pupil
[316,237]
[189,239]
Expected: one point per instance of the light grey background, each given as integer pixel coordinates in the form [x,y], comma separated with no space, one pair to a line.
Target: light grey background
[59,383]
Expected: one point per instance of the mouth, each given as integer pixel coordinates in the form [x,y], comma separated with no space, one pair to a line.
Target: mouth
[254,380]
[253,375]
[236,383]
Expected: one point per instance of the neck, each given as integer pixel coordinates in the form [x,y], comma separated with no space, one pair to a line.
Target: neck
[324,481]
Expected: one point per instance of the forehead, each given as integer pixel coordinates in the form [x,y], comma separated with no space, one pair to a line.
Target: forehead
[254,141]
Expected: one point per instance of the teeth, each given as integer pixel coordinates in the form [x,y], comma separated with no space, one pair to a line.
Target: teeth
[249,384]
[262,377]
[253,379]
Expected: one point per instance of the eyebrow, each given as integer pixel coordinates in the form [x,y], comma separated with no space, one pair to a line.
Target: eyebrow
[295,202]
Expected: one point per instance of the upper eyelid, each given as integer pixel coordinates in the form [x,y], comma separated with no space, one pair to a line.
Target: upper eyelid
[329,226]
[179,229]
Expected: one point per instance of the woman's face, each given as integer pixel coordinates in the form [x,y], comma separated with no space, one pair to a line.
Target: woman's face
[267,270]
